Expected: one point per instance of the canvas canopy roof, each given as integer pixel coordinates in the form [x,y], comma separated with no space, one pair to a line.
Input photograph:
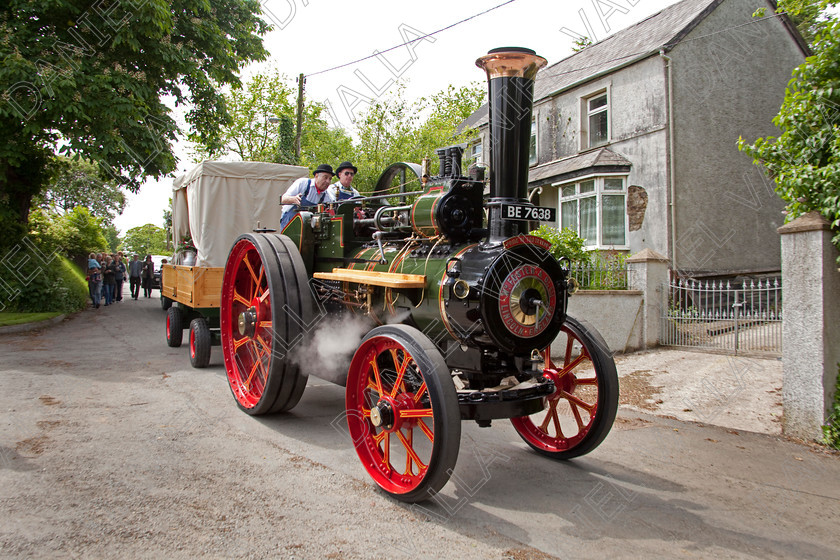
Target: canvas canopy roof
[216,201]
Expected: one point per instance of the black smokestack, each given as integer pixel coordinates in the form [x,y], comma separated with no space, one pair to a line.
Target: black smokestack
[510,75]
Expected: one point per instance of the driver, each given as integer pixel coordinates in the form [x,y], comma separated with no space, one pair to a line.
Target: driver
[306,192]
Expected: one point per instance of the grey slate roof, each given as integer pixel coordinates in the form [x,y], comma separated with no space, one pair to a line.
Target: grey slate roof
[660,30]
[580,164]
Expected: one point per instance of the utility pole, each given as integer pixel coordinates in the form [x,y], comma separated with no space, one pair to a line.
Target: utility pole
[301,81]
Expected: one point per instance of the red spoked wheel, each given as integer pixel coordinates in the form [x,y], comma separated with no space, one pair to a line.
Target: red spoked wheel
[579,414]
[402,412]
[266,305]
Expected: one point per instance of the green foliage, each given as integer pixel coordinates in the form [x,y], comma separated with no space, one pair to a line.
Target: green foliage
[262,127]
[259,111]
[78,183]
[146,240]
[384,132]
[564,243]
[112,238]
[393,130]
[804,160]
[74,83]
[609,271]
[75,234]
[39,280]
[831,430]
[7,319]
[809,16]
[581,43]
[322,143]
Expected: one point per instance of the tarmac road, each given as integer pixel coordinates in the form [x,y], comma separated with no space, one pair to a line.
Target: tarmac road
[113,446]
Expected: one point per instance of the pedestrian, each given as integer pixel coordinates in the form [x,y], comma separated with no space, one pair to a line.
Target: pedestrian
[306,192]
[135,268]
[120,277]
[148,275]
[343,189]
[109,275]
[94,273]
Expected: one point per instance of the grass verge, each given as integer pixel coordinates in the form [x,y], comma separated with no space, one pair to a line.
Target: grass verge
[7,319]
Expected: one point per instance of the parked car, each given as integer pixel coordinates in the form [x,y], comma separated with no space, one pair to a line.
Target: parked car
[158,260]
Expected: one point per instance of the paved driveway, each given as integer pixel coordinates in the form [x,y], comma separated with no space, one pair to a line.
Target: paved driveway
[113,446]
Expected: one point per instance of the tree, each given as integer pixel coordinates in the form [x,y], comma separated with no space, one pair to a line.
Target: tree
[78,183]
[262,127]
[145,240]
[75,233]
[385,132]
[90,79]
[804,160]
[320,142]
[392,129]
[449,108]
[260,112]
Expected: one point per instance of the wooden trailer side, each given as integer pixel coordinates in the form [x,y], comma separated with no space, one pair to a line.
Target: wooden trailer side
[194,286]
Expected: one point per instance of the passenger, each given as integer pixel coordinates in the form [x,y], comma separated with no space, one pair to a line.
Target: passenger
[342,189]
[306,192]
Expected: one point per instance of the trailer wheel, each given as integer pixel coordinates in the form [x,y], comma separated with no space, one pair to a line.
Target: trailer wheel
[199,343]
[402,412]
[580,413]
[266,306]
[174,326]
[165,302]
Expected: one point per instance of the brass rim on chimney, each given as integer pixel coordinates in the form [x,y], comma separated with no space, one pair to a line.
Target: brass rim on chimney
[511,63]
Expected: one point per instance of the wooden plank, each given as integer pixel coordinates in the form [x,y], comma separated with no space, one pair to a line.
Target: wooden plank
[193,286]
[208,287]
[374,278]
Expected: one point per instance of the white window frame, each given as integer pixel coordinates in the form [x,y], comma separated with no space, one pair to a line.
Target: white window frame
[535,134]
[583,104]
[598,194]
[475,155]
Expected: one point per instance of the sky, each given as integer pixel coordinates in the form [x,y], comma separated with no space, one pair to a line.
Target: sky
[314,36]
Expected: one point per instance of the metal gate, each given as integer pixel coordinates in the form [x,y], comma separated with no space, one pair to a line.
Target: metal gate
[735,316]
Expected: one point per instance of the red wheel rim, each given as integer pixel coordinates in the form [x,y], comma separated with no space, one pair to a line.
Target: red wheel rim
[168,332]
[192,343]
[390,415]
[571,410]
[246,297]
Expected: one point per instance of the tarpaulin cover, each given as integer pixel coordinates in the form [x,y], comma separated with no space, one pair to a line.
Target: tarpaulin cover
[218,201]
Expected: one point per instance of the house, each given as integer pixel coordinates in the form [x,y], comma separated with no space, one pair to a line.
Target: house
[634,138]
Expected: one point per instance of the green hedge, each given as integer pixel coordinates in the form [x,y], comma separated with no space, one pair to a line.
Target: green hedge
[33,280]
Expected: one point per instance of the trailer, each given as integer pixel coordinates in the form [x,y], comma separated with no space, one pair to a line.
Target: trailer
[212,205]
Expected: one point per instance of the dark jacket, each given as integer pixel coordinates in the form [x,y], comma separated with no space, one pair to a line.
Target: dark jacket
[109,274]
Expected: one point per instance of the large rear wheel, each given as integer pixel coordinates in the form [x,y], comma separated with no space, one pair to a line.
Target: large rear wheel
[579,414]
[402,412]
[266,306]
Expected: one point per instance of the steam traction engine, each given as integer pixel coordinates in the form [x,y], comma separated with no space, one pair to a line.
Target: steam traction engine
[468,312]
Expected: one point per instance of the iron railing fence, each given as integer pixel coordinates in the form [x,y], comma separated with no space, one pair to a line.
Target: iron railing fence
[735,316]
[600,276]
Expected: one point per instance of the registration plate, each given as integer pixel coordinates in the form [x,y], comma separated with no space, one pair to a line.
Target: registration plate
[531,213]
